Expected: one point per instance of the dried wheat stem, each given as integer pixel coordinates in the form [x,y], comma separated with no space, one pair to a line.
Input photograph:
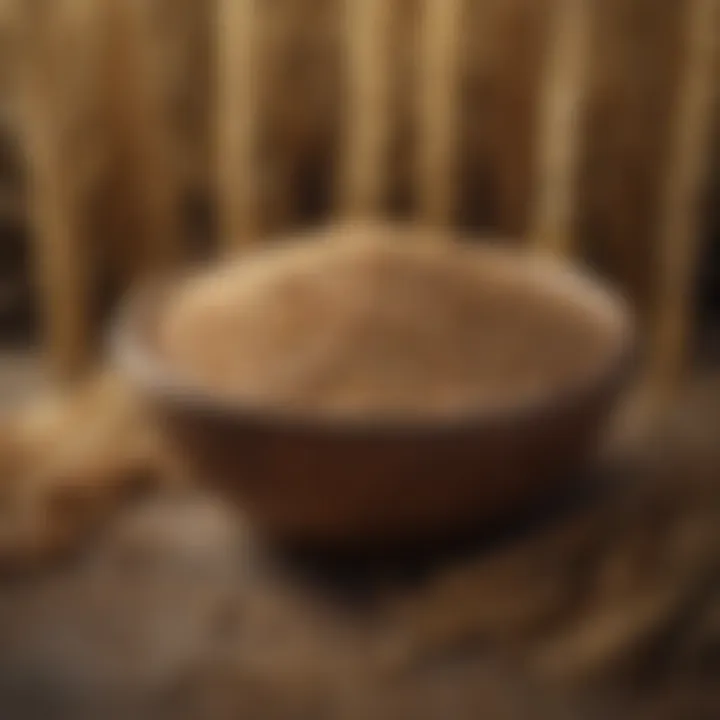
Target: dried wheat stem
[367,112]
[559,140]
[685,183]
[139,134]
[50,124]
[237,121]
[438,108]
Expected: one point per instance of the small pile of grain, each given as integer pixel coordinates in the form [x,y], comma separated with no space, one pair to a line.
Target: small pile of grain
[380,322]
[69,462]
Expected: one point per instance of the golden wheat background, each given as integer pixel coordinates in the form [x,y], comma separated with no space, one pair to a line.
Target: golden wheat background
[87,85]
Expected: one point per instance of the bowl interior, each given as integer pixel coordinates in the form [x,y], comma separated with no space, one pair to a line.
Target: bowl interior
[603,313]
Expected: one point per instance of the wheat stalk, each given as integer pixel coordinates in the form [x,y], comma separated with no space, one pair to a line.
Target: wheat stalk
[438,110]
[559,138]
[138,133]
[237,121]
[688,172]
[53,119]
[366,106]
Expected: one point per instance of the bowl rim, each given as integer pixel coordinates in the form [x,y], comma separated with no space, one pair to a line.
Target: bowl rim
[156,379]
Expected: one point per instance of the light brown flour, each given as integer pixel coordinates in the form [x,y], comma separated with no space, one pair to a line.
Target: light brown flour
[377,322]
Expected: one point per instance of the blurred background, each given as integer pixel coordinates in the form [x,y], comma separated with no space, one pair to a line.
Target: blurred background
[141,134]
[119,107]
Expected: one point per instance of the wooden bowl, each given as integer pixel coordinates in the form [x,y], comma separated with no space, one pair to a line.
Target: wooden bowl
[305,479]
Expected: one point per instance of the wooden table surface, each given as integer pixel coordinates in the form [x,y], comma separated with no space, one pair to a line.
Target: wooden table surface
[606,607]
